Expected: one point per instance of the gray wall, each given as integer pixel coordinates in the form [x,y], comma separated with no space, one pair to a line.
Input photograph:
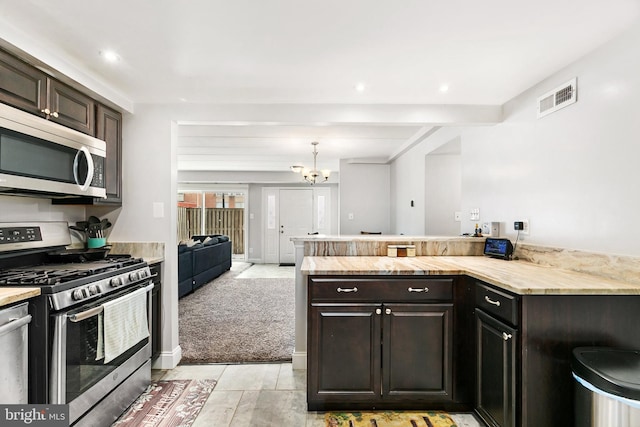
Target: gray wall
[573,174]
[365,191]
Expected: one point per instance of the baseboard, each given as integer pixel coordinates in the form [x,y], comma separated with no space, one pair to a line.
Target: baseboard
[168,359]
[299,360]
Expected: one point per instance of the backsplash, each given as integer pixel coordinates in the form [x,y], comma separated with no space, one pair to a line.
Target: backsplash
[617,267]
[150,251]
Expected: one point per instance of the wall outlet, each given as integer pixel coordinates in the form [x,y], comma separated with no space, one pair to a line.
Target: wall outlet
[457,216]
[350,216]
[522,226]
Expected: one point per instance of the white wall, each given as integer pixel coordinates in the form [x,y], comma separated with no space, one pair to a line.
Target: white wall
[442,194]
[365,191]
[573,174]
[408,179]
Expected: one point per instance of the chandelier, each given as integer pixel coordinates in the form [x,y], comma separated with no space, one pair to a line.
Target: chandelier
[314,175]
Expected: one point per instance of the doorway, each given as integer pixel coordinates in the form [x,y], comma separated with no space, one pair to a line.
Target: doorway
[296,219]
[213,212]
[294,212]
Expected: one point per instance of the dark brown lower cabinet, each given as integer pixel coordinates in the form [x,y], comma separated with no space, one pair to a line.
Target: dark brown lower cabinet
[496,371]
[374,355]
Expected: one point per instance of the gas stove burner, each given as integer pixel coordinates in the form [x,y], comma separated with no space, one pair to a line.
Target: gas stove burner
[39,277]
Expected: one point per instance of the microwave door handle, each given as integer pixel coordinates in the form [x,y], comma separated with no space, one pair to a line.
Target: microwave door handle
[76,161]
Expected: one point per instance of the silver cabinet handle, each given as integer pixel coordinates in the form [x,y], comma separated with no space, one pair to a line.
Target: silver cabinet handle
[388,311]
[378,311]
[46,111]
[506,336]
[418,289]
[354,289]
[55,114]
[490,301]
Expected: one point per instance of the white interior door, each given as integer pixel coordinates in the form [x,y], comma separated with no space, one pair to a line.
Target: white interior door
[296,219]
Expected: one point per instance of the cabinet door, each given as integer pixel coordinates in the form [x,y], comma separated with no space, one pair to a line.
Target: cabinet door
[71,108]
[21,85]
[417,352]
[109,129]
[343,354]
[496,371]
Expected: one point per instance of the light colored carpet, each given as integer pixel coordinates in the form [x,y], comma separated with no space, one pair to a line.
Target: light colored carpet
[232,320]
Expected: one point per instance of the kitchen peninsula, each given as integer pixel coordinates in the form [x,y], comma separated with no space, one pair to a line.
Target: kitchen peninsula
[493,322]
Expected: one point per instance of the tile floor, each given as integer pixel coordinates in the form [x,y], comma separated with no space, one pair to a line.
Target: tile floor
[259,395]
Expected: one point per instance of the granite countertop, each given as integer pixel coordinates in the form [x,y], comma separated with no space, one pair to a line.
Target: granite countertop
[519,277]
[11,295]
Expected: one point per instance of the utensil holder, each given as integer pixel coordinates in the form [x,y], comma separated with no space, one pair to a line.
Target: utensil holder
[96,242]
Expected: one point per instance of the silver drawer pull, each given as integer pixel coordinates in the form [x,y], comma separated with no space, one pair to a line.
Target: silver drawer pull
[354,289]
[387,311]
[490,301]
[506,336]
[418,289]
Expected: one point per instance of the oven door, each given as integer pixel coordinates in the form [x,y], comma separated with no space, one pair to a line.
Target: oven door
[79,376]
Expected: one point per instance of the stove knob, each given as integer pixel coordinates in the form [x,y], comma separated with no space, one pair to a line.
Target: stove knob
[116,281]
[142,274]
[94,289]
[133,276]
[78,294]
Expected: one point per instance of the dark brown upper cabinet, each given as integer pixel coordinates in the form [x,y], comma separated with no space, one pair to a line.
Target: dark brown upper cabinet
[27,88]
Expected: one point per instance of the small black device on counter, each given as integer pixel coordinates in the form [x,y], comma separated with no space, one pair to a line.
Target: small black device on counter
[498,248]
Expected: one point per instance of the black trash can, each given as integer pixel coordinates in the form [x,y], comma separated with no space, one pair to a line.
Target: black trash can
[607,387]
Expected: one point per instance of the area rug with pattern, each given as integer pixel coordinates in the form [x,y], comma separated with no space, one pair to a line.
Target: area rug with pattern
[167,404]
[388,419]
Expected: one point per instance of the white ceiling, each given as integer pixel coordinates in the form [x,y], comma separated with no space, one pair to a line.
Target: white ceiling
[309,52]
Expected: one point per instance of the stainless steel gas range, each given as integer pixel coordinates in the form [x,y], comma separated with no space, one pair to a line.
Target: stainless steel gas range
[89,342]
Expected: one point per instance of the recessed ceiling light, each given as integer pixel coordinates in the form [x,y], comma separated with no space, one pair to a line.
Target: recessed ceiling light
[360,87]
[444,88]
[109,55]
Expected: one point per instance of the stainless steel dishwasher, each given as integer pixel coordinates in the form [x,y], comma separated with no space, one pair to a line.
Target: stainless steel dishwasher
[13,357]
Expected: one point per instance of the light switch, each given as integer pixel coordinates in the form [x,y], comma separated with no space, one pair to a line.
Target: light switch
[158,210]
[350,216]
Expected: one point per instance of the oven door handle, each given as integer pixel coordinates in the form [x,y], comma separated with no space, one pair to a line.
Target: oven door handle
[79,317]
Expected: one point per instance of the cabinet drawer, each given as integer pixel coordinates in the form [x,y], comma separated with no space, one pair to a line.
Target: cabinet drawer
[363,289]
[497,303]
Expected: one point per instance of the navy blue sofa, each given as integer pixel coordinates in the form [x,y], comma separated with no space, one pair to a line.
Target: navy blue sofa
[202,262]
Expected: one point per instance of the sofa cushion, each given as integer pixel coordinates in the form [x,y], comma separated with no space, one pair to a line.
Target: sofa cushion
[223,238]
[208,241]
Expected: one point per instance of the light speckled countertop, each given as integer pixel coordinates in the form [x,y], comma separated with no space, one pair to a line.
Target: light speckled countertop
[516,276]
[12,295]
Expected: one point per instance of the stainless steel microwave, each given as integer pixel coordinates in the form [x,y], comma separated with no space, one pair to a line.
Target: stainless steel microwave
[39,157]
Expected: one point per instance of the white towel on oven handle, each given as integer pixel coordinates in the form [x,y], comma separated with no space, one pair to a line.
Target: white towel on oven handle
[124,323]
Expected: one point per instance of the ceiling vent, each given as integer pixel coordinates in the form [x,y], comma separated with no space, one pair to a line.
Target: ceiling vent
[557,98]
